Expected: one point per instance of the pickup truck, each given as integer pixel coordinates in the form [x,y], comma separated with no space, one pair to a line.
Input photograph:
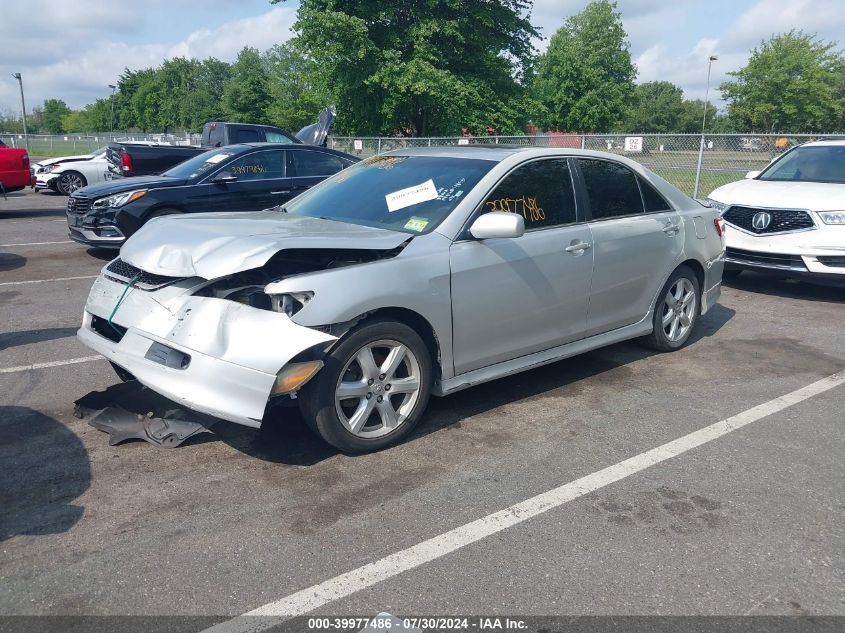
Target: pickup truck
[15,173]
[136,159]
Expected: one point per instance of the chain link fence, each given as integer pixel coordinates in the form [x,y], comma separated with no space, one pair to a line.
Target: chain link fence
[57,145]
[724,157]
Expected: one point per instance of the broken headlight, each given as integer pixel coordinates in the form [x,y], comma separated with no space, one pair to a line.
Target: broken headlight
[290,303]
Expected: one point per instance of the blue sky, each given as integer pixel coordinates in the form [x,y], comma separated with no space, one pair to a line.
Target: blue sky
[73,50]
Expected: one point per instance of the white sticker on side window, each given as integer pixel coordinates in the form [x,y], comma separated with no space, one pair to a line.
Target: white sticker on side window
[411,196]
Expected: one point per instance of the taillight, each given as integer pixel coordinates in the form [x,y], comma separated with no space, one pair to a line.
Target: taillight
[126,163]
[719,223]
[25,159]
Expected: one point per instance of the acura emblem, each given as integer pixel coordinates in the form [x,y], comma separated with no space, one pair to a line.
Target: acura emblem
[761,220]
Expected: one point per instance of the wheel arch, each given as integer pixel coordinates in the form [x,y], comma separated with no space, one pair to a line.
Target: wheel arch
[698,269]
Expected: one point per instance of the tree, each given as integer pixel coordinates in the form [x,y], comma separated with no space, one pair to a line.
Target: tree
[655,106]
[586,76]
[420,68]
[792,83]
[246,95]
[76,121]
[54,111]
[296,93]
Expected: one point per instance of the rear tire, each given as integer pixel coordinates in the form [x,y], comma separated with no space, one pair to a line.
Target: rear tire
[69,182]
[676,312]
[373,388]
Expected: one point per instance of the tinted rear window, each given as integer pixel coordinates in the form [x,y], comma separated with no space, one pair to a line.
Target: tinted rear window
[611,189]
[246,136]
[653,200]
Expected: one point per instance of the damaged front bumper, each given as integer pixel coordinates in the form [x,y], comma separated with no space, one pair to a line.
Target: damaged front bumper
[211,355]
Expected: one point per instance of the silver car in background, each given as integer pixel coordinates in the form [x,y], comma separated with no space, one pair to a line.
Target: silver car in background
[424,271]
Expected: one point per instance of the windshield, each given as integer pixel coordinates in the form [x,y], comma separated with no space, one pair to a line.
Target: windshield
[200,164]
[98,153]
[822,163]
[411,194]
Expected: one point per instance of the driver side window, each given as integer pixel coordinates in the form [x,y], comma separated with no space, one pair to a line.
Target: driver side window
[540,191]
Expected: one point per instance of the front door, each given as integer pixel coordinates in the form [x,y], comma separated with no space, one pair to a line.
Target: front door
[258,178]
[513,297]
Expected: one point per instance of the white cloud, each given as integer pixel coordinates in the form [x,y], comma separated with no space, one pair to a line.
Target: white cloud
[80,74]
[766,17]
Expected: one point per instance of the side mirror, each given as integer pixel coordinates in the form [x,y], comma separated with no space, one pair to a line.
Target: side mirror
[752,174]
[224,179]
[497,224]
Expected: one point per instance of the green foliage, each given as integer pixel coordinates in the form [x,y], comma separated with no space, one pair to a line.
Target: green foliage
[54,111]
[656,106]
[246,95]
[297,93]
[76,121]
[792,83]
[586,76]
[420,68]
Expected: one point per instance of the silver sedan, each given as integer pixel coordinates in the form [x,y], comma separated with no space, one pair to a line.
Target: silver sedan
[419,272]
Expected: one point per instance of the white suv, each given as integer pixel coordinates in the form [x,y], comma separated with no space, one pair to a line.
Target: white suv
[789,218]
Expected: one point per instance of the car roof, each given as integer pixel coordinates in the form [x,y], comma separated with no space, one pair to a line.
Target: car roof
[826,142]
[500,153]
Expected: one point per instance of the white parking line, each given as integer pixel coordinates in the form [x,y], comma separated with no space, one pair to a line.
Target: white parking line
[307,600]
[37,243]
[44,281]
[55,363]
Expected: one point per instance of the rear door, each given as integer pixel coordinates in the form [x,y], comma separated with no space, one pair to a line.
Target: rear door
[513,297]
[637,239]
[306,167]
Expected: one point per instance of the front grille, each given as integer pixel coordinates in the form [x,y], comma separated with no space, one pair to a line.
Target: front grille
[112,332]
[834,261]
[765,260]
[121,271]
[78,205]
[782,220]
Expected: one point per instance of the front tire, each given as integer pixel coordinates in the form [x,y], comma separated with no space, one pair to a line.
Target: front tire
[676,312]
[373,389]
[69,182]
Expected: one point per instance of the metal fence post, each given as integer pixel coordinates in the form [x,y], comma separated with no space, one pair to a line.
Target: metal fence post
[379,146]
[698,168]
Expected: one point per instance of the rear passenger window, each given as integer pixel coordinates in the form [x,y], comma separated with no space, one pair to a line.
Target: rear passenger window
[541,192]
[275,137]
[653,200]
[611,189]
[246,136]
[307,163]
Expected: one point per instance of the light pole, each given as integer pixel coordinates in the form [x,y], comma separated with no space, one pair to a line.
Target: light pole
[712,59]
[23,107]
[113,87]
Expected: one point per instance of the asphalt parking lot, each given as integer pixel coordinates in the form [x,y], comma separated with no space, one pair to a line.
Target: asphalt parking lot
[749,522]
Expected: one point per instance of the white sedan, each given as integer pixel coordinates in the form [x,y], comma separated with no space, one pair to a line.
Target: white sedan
[69,173]
[790,218]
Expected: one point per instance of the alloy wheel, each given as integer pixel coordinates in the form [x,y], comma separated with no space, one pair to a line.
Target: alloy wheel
[679,308]
[378,388]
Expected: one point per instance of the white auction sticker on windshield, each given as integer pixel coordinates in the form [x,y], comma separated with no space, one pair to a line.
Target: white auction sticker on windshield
[217,158]
[411,196]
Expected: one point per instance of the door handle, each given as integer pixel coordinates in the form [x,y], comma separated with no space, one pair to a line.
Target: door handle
[280,192]
[672,229]
[578,246]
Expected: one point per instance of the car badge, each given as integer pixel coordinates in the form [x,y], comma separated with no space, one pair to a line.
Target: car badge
[761,220]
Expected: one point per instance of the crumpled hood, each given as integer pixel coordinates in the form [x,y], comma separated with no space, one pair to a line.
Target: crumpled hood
[816,196]
[213,245]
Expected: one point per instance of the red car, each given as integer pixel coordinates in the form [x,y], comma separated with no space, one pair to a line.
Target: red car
[15,173]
